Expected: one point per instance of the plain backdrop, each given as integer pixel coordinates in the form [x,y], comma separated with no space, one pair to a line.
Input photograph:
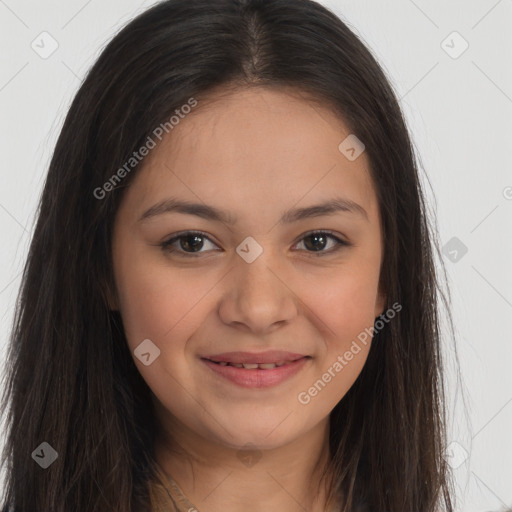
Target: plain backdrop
[450,65]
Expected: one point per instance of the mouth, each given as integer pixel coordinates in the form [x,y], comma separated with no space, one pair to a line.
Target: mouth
[277,357]
[256,366]
[257,374]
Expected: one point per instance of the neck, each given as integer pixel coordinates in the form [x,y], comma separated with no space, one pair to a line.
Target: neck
[216,477]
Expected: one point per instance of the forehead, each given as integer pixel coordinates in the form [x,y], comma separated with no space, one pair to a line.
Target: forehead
[254,148]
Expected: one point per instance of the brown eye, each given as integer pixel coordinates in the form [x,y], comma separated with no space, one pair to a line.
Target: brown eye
[189,243]
[317,241]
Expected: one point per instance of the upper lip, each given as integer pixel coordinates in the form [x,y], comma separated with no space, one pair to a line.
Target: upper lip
[271,356]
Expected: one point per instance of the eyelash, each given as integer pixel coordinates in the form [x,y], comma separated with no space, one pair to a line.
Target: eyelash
[166,245]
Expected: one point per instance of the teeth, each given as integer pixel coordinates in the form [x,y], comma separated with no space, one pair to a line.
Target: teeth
[254,366]
[250,366]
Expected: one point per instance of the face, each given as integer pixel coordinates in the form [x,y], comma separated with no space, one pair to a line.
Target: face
[269,275]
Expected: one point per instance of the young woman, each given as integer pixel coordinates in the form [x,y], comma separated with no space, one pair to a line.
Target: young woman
[230,299]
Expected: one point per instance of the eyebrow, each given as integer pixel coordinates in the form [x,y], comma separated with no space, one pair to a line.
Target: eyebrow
[334,205]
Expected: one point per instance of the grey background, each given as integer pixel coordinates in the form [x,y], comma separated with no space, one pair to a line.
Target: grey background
[459,111]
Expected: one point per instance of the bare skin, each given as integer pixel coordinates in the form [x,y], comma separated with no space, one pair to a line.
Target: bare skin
[254,153]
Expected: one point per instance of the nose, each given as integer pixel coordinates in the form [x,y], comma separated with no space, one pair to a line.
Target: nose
[258,297]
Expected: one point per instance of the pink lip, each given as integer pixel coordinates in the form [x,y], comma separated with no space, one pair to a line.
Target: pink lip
[258,378]
[271,356]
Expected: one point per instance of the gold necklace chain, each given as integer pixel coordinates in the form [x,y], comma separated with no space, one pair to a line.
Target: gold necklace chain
[183,504]
[177,496]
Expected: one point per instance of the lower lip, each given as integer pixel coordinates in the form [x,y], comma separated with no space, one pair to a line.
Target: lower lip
[258,378]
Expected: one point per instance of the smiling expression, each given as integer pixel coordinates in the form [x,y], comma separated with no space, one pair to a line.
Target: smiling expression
[284,254]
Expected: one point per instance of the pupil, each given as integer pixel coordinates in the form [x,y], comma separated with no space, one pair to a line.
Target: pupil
[316,237]
[196,244]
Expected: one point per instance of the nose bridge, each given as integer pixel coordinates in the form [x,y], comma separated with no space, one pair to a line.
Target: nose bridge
[257,279]
[258,296]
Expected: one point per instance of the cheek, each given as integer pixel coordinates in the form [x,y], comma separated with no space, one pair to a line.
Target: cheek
[345,303]
[345,308]
[157,303]
[165,307]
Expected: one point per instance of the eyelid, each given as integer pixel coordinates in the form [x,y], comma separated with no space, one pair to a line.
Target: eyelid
[188,232]
[334,234]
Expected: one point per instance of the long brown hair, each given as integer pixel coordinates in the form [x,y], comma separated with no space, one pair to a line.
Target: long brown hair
[71,381]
